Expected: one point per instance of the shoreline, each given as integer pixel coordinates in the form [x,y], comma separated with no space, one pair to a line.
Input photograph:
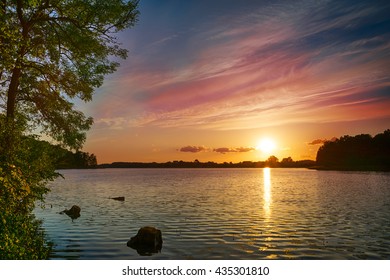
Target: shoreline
[352,168]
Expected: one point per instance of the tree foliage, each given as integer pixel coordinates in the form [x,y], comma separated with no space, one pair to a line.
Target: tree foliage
[22,182]
[362,152]
[52,52]
[73,160]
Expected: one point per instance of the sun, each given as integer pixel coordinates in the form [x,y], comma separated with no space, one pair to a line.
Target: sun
[266,145]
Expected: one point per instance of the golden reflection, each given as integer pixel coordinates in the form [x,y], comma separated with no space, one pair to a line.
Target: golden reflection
[267,192]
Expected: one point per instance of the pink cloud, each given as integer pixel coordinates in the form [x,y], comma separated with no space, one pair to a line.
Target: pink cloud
[192,149]
[233,150]
[236,76]
[322,141]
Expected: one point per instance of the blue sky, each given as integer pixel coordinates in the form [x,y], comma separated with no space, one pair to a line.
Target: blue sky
[224,74]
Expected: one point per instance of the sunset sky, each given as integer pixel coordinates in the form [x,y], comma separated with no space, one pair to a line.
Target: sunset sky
[209,80]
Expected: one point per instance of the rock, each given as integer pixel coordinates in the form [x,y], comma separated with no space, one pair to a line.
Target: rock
[147,241]
[73,212]
[119,198]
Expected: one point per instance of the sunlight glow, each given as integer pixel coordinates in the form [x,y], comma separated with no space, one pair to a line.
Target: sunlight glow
[266,145]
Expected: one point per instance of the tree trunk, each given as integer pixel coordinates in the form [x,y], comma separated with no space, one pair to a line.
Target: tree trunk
[11,129]
[12,93]
[10,120]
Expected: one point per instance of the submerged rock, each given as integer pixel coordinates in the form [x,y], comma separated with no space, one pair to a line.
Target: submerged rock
[119,198]
[148,241]
[73,212]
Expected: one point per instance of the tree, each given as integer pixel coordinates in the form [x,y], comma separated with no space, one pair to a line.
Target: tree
[360,152]
[51,52]
[287,162]
[272,161]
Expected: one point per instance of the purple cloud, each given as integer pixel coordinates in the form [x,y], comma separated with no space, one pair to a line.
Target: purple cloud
[192,149]
[233,150]
[322,141]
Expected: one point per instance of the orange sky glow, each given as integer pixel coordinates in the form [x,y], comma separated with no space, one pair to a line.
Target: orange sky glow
[209,83]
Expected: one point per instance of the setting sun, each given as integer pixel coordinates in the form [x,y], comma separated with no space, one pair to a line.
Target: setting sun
[266,145]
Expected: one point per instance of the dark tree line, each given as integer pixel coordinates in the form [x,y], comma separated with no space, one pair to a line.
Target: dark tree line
[272,161]
[60,157]
[360,152]
[76,160]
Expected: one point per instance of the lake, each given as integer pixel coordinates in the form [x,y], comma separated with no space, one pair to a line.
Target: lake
[221,213]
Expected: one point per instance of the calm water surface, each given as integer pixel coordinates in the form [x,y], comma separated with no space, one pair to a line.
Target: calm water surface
[222,213]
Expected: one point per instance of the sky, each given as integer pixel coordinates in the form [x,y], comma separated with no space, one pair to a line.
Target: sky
[210,80]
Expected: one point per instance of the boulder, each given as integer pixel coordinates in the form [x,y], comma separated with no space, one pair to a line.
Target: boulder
[119,198]
[73,212]
[147,241]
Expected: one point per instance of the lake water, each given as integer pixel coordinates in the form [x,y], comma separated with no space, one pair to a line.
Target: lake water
[221,213]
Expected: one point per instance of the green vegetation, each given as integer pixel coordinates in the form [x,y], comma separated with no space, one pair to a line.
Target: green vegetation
[60,157]
[360,152]
[22,181]
[51,52]
[74,160]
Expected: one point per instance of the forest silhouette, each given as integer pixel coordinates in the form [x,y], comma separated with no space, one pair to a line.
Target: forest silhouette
[360,152]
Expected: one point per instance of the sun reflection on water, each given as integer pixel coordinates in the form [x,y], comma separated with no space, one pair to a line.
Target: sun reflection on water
[267,197]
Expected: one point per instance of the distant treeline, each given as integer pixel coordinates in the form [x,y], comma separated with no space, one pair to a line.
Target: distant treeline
[62,158]
[360,152]
[271,162]
[75,160]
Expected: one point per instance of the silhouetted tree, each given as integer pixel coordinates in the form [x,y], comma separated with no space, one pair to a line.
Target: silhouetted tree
[287,162]
[272,161]
[356,152]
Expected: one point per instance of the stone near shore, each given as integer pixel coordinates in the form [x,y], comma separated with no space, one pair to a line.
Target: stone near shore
[73,212]
[119,198]
[147,241]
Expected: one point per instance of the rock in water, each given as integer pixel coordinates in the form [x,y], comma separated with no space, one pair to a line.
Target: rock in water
[119,198]
[73,212]
[147,241]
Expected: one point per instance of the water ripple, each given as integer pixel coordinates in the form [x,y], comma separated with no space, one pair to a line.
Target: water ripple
[222,214]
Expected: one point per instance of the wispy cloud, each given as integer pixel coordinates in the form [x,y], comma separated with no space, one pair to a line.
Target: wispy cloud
[318,62]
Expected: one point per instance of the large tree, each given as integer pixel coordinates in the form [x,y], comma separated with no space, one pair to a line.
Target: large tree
[51,53]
